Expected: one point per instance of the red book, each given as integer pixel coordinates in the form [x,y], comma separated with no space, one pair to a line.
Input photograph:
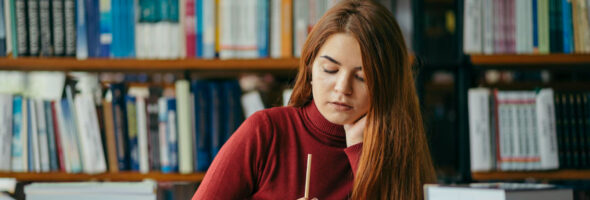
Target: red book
[60,153]
[189,29]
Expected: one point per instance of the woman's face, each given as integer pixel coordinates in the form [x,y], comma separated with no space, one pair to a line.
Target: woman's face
[338,81]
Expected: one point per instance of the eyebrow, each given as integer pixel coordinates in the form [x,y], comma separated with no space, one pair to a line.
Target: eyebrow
[336,62]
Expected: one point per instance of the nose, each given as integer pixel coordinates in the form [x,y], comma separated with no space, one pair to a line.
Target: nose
[344,84]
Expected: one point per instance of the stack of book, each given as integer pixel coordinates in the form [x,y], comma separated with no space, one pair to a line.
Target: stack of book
[133,127]
[92,190]
[526,26]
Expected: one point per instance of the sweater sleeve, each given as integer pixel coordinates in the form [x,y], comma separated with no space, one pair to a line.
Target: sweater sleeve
[235,170]
[354,153]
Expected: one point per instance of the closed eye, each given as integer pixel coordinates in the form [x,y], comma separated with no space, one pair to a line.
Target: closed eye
[330,71]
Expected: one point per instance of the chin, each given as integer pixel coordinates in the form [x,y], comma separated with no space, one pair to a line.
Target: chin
[340,120]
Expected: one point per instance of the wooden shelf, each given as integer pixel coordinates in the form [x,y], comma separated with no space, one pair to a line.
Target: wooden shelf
[71,64]
[541,175]
[121,176]
[545,60]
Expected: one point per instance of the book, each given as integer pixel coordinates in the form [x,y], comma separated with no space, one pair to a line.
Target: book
[185,144]
[92,190]
[3,29]
[58,27]
[479,130]
[46,47]
[20,25]
[132,141]
[120,124]
[165,165]
[142,134]
[34,34]
[172,135]
[6,114]
[497,191]
[110,140]
[70,27]
[106,28]
[93,158]
[43,138]
[92,19]
[51,137]
[201,100]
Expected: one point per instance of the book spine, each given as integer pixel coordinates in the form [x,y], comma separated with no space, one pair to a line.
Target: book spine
[153,133]
[21,28]
[70,27]
[472,30]
[581,130]
[263,32]
[286,28]
[567,26]
[33,26]
[120,124]
[184,126]
[92,27]
[199,28]
[479,130]
[535,10]
[214,116]
[202,138]
[111,143]
[53,158]
[33,144]
[106,28]
[189,28]
[546,128]
[142,135]
[275,29]
[162,133]
[6,113]
[58,138]
[4,30]
[543,26]
[45,28]
[81,30]
[488,26]
[209,28]
[58,27]
[42,135]
[172,134]
[132,132]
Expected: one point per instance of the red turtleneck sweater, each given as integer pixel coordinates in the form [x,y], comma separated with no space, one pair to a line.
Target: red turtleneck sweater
[266,158]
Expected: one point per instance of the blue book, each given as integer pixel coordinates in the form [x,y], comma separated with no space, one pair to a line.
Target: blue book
[70,118]
[120,124]
[92,28]
[81,37]
[129,29]
[172,135]
[53,159]
[17,136]
[199,28]
[13,29]
[233,112]
[106,28]
[263,34]
[200,90]
[30,132]
[215,117]
[132,132]
[116,29]
[2,30]
[568,39]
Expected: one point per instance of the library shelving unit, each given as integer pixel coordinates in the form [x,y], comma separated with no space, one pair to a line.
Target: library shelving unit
[561,62]
[120,176]
[133,65]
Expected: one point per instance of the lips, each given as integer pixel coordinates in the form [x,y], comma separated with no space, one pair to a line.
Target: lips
[341,106]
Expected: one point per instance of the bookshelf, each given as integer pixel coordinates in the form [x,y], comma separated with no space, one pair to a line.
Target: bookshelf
[120,176]
[72,64]
[540,175]
[523,60]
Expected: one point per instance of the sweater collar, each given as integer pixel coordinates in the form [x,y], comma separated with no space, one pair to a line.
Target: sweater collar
[321,124]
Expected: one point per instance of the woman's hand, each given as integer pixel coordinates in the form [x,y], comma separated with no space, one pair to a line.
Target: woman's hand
[354,131]
[303,198]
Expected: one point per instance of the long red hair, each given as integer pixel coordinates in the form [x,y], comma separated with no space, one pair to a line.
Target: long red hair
[395,162]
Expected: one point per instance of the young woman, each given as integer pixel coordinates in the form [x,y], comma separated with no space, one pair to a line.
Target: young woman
[354,108]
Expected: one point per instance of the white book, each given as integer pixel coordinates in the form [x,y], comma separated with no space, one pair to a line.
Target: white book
[209,25]
[6,131]
[150,41]
[479,130]
[497,191]
[25,136]
[252,102]
[228,30]
[34,135]
[8,27]
[140,46]
[532,133]
[181,48]
[93,158]
[504,126]
[13,82]
[162,129]
[43,137]
[248,38]
[92,190]
[523,26]
[300,24]
[546,129]
[175,47]
[275,28]
[160,39]
[185,154]
[142,136]
[472,27]
[45,85]
[488,26]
